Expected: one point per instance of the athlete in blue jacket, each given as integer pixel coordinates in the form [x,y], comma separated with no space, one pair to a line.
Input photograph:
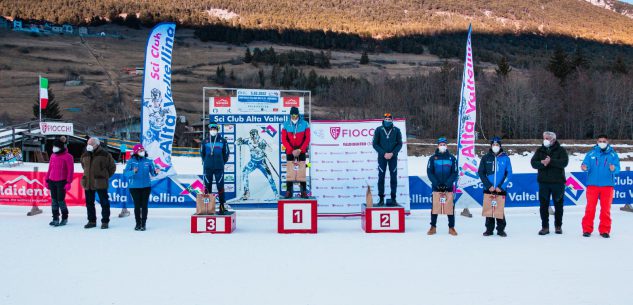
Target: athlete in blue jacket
[442,171]
[495,172]
[215,153]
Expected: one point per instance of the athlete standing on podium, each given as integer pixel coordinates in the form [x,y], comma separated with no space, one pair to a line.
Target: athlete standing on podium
[295,137]
[215,153]
[387,142]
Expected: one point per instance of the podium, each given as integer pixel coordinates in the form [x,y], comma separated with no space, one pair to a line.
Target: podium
[214,224]
[297,215]
[382,219]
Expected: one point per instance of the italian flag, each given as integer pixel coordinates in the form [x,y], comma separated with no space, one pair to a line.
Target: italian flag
[43,92]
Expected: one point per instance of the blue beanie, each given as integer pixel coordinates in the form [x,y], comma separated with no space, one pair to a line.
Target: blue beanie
[442,140]
[494,140]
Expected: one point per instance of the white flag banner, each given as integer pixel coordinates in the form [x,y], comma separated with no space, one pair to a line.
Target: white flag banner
[344,162]
[158,112]
[466,155]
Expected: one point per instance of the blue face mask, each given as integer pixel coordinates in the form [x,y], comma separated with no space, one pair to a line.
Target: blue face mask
[387,123]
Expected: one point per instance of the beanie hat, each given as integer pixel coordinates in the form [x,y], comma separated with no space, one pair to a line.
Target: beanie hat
[137,147]
[495,139]
[213,125]
[294,110]
[388,116]
[442,140]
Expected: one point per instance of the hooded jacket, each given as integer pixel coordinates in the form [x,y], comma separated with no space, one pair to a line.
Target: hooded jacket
[61,167]
[295,136]
[598,162]
[495,170]
[98,167]
[554,172]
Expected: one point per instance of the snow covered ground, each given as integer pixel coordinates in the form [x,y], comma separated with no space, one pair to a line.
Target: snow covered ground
[340,265]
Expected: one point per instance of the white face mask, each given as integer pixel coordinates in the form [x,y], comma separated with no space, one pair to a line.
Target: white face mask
[90,148]
[496,149]
[442,148]
[602,145]
[213,133]
[140,153]
[294,121]
[547,143]
[56,149]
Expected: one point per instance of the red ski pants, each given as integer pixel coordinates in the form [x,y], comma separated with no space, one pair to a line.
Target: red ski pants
[605,194]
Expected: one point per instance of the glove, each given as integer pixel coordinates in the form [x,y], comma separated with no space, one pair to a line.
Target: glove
[441,188]
[67,187]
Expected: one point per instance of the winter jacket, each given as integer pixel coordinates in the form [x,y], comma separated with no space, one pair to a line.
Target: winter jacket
[296,136]
[98,168]
[442,170]
[598,162]
[495,170]
[387,144]
[554,172]
[214,152]
[140,179]
[61,167]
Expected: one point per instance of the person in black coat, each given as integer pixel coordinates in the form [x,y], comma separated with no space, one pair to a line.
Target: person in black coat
[215,153]
[550,160]
[387,142]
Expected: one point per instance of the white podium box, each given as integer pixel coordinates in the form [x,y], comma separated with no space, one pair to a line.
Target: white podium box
[297,215]
[214,224]
[383,219]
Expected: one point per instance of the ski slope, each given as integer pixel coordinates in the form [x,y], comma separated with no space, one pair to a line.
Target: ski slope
[340,265]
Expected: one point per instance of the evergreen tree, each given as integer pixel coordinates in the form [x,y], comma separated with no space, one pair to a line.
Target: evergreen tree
[262,78]
[248,57]
[559,65]
[220,75]
[503,67]
[232,75]
[580,60]
[364,58]
[620,66]
[52,110]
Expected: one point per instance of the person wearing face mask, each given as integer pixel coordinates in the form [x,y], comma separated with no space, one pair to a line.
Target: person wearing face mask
[138,171]
[442,171]
[295,137]
[215,153]
[601,164]
[550,160]
[59,178]
[99,167]
[495,172]
[387,142]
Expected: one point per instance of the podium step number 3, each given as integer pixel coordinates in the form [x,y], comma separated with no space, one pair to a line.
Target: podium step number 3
[215,224]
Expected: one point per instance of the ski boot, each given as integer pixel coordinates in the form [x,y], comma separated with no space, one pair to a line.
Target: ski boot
[124,213]
[34,211]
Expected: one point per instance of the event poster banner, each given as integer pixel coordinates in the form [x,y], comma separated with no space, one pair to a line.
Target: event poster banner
[56,128]
[466,156]
[251,122]
[158,112]
[344,163]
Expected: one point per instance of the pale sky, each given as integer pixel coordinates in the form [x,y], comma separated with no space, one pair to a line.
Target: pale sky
[627,1]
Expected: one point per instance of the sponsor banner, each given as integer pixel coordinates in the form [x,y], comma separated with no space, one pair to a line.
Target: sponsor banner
[467,160]
[158,111]
[238,109]
[55,128]
[523,191]
[24,188]
[344,162]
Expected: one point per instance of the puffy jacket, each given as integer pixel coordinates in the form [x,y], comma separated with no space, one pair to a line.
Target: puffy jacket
[98,168]
[142,178]
[61,167]
[442,170]
[598,162]
[296,136]
[495,170]
[554,172]
[387,140]
[214,152]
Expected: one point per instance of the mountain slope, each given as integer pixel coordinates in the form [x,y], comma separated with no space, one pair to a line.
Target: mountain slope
[575,18]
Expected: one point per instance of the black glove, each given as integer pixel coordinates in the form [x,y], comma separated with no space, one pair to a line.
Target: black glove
[441,188]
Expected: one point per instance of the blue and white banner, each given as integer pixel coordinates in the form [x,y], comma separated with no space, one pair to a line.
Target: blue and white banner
[466,157]
[179,191]
[158,112]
